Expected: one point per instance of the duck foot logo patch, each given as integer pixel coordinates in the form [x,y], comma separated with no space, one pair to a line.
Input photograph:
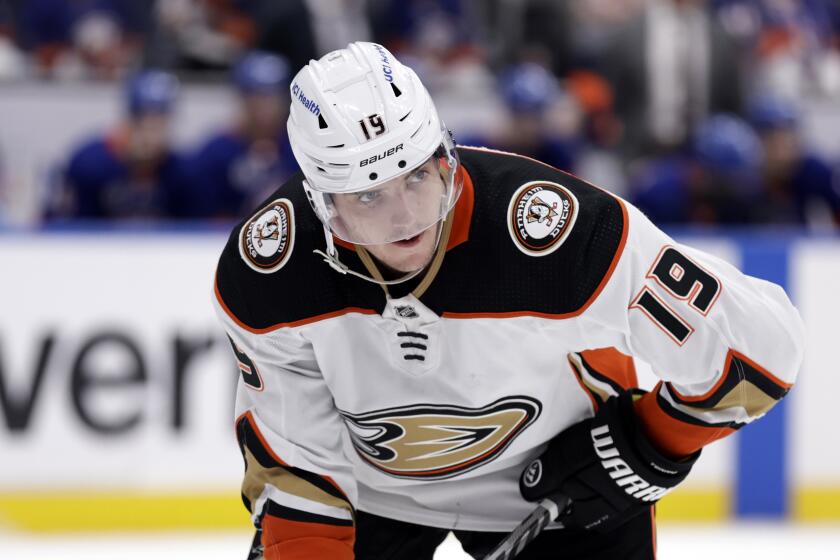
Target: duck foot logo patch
[266,240]
[541,216]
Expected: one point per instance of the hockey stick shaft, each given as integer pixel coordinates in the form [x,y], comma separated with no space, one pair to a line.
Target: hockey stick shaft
[524,533]
[546,512]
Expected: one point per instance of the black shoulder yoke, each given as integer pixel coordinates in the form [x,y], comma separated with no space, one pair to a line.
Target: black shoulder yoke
[492,274]
[488,274]
[301,289]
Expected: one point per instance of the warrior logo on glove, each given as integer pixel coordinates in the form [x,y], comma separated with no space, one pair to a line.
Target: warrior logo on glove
[620,471]
[606,466]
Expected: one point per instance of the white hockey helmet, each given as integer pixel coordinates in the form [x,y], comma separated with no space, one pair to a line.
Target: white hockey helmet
[359,120]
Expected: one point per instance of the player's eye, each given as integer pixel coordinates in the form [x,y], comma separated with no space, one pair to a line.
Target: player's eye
[368,197]
[417,176]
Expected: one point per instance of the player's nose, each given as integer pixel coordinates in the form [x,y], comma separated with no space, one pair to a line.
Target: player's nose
[402,209]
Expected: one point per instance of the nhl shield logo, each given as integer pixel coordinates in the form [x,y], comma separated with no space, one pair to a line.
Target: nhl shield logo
[541,216]
[266,240]
[406,311]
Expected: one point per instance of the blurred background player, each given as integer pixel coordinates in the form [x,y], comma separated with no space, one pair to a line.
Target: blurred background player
[81,39]
[800,187]
[132,171]
[673,66]
[716,182]
[199,35]
[543,118]
[238,167]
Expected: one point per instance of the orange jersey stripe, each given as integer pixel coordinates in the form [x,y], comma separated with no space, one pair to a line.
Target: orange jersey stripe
[673,437]
[611,363]
[284,539]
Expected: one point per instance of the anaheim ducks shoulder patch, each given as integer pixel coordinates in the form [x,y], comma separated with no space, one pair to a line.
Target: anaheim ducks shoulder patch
[426,442]
[541,215]
[267,239]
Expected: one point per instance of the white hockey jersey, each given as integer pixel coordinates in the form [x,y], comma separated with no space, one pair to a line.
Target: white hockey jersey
[426,405]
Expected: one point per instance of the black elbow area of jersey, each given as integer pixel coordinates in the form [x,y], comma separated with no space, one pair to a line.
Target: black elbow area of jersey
[606,466]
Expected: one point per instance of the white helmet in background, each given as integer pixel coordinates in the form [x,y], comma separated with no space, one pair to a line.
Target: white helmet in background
[359,119]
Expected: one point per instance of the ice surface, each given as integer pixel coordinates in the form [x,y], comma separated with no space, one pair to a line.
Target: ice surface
[735,541]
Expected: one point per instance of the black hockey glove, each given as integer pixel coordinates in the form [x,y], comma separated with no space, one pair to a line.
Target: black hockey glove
[606,466]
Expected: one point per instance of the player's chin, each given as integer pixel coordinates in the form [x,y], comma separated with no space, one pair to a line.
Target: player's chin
[412,254]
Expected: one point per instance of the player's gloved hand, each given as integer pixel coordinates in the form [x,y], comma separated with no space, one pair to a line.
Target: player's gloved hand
[607,467]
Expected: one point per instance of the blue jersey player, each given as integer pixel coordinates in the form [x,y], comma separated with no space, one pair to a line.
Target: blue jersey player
[238,167]
[132,171]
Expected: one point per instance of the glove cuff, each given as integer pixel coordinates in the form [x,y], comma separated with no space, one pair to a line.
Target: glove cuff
[674,471]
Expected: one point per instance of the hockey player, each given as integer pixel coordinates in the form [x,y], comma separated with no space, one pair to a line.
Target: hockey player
[544,121]
[235,169]
[799,184]
[467,350]
[131,172]
[718,182]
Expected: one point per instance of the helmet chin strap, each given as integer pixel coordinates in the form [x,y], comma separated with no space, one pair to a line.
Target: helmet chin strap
[331,258]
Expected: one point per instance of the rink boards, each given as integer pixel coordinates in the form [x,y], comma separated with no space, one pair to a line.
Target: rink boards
[117,388]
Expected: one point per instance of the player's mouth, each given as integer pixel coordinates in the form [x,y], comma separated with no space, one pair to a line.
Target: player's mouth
[410,242]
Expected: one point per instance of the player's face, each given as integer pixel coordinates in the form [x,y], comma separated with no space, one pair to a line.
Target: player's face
[150,136]
[781,150]
[407,256]
[397,209]
[264,113]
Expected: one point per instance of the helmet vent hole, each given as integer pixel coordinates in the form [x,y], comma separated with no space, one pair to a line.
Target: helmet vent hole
[322,124]
[321,169]
[336,146]
[405,116]
[397,91]
[401,163]
[373,176]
